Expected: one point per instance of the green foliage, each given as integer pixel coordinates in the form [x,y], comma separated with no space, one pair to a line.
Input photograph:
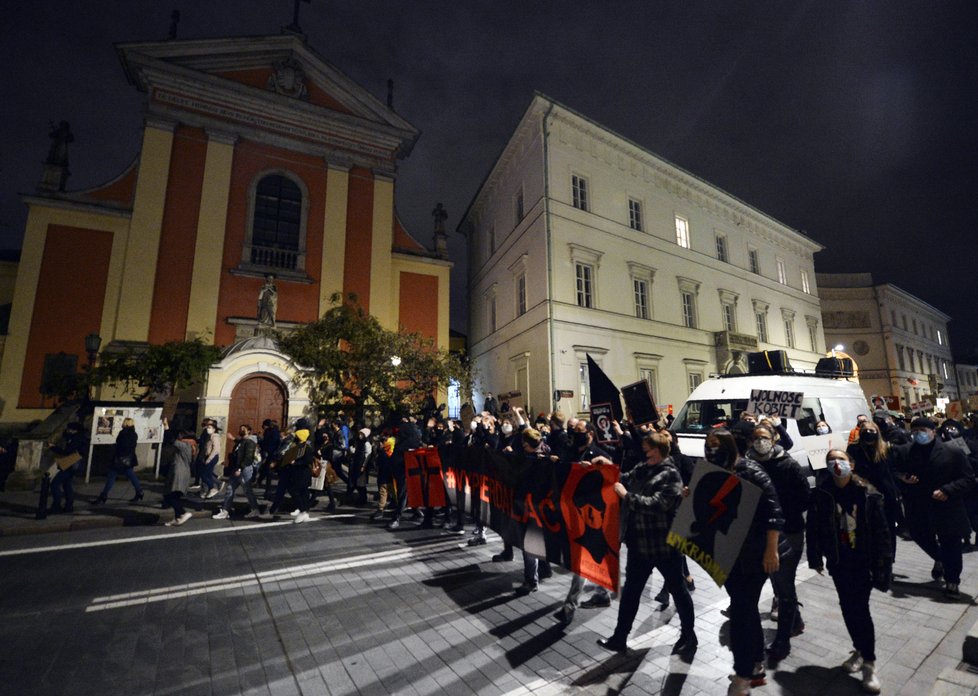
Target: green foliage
[155,369]
[345,361]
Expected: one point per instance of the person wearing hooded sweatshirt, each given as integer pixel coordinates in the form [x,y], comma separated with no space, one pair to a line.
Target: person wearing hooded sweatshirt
[791,485]
[296,461]
[847,531]
[242,464]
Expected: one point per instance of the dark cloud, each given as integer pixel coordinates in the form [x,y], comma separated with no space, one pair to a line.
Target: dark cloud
[852,121]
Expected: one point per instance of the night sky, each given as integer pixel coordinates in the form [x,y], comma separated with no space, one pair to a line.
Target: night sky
[852,121]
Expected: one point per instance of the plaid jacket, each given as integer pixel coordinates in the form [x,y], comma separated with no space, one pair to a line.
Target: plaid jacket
[654,493]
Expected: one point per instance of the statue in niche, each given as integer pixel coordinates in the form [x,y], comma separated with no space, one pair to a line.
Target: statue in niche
[267,303]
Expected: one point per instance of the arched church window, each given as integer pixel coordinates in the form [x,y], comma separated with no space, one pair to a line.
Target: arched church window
[276,235]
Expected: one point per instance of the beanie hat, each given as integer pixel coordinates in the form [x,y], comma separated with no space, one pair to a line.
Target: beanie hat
[302,424]
[923,422]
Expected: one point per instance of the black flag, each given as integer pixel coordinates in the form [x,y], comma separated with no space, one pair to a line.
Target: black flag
[603,390]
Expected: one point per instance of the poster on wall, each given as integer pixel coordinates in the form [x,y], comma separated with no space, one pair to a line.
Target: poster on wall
[107,421]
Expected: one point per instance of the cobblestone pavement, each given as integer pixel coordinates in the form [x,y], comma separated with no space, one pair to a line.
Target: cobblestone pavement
[341,606]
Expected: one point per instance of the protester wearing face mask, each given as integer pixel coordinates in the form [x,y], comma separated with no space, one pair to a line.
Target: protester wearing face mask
[848,533]
[822,428]
[791,485]
[937,478]
[757,559]
[872,458]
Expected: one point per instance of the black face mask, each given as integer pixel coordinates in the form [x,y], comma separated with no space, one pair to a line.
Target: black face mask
[869,437]
[580,439]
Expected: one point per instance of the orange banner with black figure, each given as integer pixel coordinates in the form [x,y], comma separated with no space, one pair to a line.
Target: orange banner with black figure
[424,480]
[591,512]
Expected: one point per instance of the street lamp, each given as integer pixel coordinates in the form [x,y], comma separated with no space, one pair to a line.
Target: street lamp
[92,343]
[395,360]
[837,348]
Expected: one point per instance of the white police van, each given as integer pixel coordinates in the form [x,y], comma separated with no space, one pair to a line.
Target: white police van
[830,394]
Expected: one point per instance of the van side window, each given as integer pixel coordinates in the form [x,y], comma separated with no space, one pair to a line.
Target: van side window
[811,413]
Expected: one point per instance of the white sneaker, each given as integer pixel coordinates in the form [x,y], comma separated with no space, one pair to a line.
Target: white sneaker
[171,523]
[221,514]
[253,515]
[194,488]
[871,683]
[181,519]
[854,662]
[211,493]
[204,492]
[301,517]
[739,686]
[295,513]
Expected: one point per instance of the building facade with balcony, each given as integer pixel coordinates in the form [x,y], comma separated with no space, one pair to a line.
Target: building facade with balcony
[258,158]
[899,342]
[582,242]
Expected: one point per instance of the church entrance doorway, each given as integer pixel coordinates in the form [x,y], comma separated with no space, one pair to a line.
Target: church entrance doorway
[253,400]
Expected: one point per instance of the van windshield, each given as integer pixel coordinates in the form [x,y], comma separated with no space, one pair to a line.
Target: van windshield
[698,417]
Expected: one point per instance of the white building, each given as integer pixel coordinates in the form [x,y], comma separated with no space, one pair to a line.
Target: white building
[967,380]
[899,342]
[582,242]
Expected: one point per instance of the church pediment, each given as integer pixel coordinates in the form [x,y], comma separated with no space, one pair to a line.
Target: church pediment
[276,83]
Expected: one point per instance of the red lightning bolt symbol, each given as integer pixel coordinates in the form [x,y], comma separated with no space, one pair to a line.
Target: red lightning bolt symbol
[716,501]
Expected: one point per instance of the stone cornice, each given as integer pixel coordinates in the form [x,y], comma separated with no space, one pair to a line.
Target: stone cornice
[99,208]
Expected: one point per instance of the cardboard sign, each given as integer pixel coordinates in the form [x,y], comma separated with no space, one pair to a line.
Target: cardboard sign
[955,410]
[514,399]
[640,403]
[466,415]
[818,446]
[713,520]
[769,402]
[601,418]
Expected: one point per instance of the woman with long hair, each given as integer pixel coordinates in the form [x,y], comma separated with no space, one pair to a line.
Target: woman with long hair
[848,533]
[872,458]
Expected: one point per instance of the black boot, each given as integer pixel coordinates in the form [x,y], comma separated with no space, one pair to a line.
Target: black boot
[663,599]
[136,498]
[101,499]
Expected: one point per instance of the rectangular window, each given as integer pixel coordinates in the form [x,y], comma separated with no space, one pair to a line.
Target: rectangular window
[579,192]
[813,337]
[761,327]
[915,327]
[519,206]
[689,310]
[492,314]
[893,321]
[521,295]
[940,338]
[635,214]
[730,318]
[721,248]
[900,361]
[903,320]
[789,333]
[583,384]
[944,369]
[805,287]
[782,276]
[755,266]
[585,285]
[648,374]
[694,379]
[682,232]
[641,291]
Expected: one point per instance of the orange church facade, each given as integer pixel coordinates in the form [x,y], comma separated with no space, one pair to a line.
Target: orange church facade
[258,157]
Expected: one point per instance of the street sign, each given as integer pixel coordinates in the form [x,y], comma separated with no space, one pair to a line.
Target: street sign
[563,394]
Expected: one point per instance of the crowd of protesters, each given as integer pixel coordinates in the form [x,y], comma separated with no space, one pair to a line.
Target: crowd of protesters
[890,480]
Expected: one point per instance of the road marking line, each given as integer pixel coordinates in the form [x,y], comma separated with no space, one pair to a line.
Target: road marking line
[169,535]
[161,594]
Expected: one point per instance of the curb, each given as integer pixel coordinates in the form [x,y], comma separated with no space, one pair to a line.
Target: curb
[956,682]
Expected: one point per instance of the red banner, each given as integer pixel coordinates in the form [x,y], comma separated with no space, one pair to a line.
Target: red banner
[590,509]
[424,480]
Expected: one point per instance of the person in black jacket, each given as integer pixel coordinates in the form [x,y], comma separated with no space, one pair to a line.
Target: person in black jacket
[123,462]
[848,532]
[872,458]
[240,470]
[937,478]
[791,484]
[408,437]
[758,558]
[71,450]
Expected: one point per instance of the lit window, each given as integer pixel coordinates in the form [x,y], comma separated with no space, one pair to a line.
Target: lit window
[682,232]
[579,192]
[585,285]
[755,266]
[721,248]
[635,214]
[940,337]
[761,326]
[583,384]
[813,337]
[689,310]
[805,287]
[944,369]
[782,276]
[641,290]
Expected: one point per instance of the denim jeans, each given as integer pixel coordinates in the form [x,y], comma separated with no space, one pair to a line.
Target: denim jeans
[129,473]
[574,593]
[783,581]
[207,478]
[531,567]
[63,482]
[244,480]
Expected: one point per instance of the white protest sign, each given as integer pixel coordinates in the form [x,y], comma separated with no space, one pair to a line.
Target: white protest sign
[770,402]
[818,446]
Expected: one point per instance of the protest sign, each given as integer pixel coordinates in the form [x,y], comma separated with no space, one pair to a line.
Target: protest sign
[640,403]
[423,478]
[769,402]
[601,418]
[713,520]
[960,444]
[566,513]
[819,445]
